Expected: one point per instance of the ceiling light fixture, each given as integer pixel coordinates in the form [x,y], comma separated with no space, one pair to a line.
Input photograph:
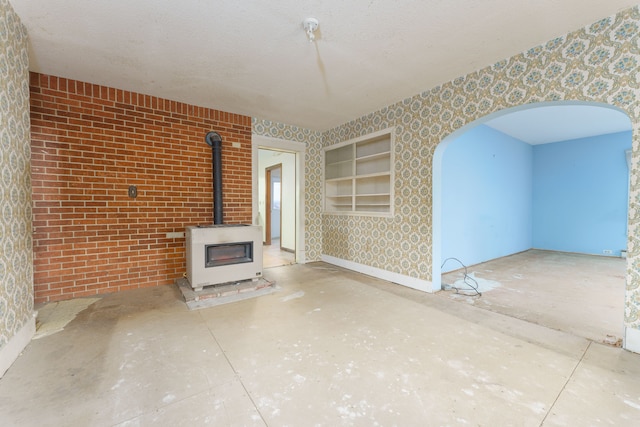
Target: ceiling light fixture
[310,25]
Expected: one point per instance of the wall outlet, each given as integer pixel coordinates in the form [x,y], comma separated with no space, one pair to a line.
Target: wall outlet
[607,252]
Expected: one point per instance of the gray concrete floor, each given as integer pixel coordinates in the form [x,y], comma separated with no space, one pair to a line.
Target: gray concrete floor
[330,348]
[575,293]
[273,256]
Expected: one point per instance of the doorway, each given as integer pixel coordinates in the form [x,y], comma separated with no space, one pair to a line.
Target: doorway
[278,175]
[515,215]
[276,208]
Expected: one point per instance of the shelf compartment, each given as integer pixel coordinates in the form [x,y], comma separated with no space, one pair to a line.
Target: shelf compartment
[342,187]
[340,208]
[373,146]
[339,170]
[373,164]
[338,162]
[379,184]
[373,202]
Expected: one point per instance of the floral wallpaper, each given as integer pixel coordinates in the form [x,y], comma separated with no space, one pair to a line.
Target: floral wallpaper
[598,63]
[16,259]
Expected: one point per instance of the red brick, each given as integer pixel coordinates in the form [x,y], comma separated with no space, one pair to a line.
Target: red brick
[89,143]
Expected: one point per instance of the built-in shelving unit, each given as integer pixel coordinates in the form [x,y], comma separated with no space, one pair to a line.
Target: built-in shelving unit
[358,176]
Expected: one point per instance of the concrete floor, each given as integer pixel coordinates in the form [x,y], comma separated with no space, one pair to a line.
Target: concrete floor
[575,293]
[273,256]
[330,348]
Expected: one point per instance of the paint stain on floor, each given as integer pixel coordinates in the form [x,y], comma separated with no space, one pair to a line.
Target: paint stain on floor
[54,316]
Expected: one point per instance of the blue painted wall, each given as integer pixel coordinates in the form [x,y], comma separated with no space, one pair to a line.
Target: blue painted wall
[486,197]
[580,194]
[502,196]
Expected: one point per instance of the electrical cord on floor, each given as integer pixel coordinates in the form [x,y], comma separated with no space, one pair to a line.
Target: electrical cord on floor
[466,279]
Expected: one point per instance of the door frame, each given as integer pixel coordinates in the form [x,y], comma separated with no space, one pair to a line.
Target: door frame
[299,149]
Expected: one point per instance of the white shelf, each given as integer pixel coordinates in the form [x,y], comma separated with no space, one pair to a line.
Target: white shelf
[373,146]
[339,162]
[360,172]
[383,155]
[349,178]
[372,175]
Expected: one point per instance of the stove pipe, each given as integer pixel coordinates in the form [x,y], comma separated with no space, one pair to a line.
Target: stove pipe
[215,142]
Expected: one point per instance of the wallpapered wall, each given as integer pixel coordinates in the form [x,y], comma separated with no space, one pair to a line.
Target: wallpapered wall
[598,63]
[16,277]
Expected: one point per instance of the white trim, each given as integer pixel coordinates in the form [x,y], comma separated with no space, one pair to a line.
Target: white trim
[400,279]
[10,352]
[373,135]
[297,148]
[436,214]
[632,339]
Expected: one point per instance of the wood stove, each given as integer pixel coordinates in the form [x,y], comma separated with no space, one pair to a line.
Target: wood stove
[223,253]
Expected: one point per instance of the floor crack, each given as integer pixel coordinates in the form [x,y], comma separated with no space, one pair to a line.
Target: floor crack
[564,386]
[237,375]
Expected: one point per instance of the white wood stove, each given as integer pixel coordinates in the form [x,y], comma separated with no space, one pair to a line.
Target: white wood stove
[223,253]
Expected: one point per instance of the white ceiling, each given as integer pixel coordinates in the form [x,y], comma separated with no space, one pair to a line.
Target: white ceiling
[545,124]
[252,57]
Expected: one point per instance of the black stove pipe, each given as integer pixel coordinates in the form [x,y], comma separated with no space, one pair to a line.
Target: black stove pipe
[215,142]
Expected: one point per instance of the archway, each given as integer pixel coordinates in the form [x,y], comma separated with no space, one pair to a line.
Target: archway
[492,232]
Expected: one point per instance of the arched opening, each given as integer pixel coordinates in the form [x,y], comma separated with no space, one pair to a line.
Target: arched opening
[550,177]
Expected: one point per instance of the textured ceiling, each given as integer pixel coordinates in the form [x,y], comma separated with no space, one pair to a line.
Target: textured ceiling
[545,124]
[252,57]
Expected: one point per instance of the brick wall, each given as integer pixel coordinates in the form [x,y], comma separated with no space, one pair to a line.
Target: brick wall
[89,144]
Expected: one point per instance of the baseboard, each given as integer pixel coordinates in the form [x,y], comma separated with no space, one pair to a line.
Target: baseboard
[400,279]
[632,339]
[282,248]
[10,352]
